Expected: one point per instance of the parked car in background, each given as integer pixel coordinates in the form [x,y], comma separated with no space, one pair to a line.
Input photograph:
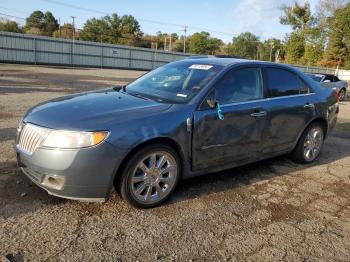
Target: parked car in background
[184,119]
[332,81]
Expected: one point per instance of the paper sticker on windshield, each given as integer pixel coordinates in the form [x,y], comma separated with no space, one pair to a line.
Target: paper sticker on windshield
[201,67]
[181,95]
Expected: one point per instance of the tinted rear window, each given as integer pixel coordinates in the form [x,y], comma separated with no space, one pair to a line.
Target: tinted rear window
[282,82]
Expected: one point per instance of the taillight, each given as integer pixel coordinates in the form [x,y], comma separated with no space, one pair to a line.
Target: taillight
[336,96]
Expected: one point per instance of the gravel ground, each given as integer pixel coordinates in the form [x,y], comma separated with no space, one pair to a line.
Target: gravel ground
[274,210]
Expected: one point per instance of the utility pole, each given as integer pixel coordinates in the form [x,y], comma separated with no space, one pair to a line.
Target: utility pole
[73,17]
[166,46]
[101,49]
[272,46]
[170,47]
[185,31]
[59,26]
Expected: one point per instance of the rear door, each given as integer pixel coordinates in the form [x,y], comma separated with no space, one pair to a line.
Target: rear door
[226,142]
[289,110]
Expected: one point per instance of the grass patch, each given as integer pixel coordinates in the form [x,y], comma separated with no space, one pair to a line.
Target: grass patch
[346,98]
[344,127]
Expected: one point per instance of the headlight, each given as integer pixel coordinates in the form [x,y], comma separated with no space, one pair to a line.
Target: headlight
[72,139]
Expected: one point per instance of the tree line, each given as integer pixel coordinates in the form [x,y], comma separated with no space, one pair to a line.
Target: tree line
[321,38]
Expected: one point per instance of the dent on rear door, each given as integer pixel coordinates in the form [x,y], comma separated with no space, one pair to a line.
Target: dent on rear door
[286,118]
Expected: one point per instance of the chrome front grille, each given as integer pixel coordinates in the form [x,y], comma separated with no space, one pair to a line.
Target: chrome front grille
[31,137]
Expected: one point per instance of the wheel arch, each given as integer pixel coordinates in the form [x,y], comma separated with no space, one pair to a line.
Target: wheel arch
[343,88]
[320,120]
[157,140]
[323,122]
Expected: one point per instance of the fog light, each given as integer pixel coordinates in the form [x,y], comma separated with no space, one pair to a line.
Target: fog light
[53,181]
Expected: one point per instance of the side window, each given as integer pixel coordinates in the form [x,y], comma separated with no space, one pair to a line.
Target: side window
[282,82]
[239,86]
[328,77]
[304,88]
[336,79]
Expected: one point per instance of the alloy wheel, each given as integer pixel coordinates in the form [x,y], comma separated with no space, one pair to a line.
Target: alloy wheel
[313,143]
[154,177]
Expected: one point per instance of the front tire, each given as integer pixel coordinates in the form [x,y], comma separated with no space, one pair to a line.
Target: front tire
[150,176]
[310,144]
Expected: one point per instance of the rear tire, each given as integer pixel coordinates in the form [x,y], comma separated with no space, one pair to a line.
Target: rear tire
[310,144]
[149,176]
[342,94]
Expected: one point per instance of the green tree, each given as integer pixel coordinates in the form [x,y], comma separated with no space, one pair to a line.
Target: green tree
[9,26]
[312,54]
[244,45]
[97,30]
[66,31]
[179,44]
[305,44]
[40,23]
[35,20]
[203,43]
[159,39]
[295,48]
[297,16]
[50,24]
[338,49]
[326,9]
[272,49]
[112,29]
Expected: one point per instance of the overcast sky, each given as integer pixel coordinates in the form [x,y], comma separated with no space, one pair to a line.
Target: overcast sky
[222,18]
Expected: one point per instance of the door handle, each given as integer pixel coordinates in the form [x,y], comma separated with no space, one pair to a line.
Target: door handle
[308,105]
[258,114]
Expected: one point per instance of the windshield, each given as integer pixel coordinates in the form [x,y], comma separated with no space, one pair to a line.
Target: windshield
[176,82]
[316,78]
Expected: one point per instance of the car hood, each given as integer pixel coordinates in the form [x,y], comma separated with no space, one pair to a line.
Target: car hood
[92,110]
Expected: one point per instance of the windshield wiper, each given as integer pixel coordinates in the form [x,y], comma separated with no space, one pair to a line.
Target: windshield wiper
[139,96]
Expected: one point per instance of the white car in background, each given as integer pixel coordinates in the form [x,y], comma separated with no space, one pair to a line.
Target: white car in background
[332,81]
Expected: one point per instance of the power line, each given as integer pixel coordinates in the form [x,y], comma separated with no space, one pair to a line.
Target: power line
[104,34]
[13,10]
[185,31]
[140,40]
[79,29]
[105,13]
[13,16]
[140,19]
[23,12]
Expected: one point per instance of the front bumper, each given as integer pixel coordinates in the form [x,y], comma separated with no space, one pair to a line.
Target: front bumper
[81,174]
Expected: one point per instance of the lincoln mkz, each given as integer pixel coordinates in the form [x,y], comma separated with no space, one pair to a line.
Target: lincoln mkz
[186,118]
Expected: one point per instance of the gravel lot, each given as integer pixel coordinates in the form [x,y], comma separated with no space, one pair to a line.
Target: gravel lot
[274,210]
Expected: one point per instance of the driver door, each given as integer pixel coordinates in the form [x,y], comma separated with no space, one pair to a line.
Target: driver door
[238,137]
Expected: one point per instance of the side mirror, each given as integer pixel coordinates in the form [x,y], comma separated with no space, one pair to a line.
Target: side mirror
[327,81]
[211,101]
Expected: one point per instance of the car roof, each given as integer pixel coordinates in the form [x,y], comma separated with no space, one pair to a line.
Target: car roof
[321,74]
[314,74]
[229,61]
